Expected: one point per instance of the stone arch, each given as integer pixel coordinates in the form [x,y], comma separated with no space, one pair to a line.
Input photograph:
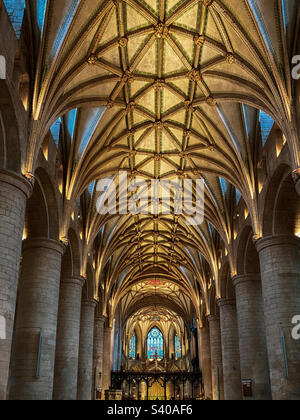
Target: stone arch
[139,340]
[71,262]
[42,217]
[227,288]
[212,301]
[282,205]
[247,255]
[88,288]
[172,335]
[10,144]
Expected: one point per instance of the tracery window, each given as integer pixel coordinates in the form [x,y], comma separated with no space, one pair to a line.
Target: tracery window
[155,344]
[177,347]
[132,347]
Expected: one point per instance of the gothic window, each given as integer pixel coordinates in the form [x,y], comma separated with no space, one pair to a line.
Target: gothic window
[155,344]
[177,347]
[132,347]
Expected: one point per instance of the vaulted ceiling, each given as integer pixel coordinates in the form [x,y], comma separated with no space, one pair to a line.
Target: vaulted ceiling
[161,89]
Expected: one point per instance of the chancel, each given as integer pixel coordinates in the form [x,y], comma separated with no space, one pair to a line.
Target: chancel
[119,296]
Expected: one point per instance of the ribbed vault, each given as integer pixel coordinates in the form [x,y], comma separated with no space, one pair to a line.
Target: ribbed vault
[162,90]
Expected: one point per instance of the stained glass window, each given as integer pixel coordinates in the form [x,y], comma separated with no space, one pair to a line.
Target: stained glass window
[177,347]
[15,10]
[132,347]
[155,344]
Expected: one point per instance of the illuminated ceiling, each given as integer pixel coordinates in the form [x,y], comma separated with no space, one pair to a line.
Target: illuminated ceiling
[162,89]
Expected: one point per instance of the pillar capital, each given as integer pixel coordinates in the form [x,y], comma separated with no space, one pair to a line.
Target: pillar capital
[226,302]
[212,318]
[100,318]
[108,328]
[90,302]
[46,243]
[246,278]
[17,181]
[75,280]
[277,240]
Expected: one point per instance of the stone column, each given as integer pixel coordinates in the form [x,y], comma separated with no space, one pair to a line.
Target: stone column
[98,352]
[107,359]
[172,347]
[86,348]
[230,350]
[35,335]
[252,335]
[205,361]
[280,275]
[14,191]
[67,342]
[216,358]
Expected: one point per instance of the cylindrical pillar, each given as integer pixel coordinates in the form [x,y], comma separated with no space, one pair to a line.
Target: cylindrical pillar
[172,347]
[107,359]
[280,275]
[216,358]
[98,353]
[14,191]
[35,336]
[86,349]
[230,350]
[252,335]
[205,361]
[67,342]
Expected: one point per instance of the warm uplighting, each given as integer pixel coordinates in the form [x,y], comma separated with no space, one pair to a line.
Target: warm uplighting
[25,234]
[60,186]
[297,172]
[29,176]
[298,234]
[246,214]
[65,240]
[256,238]
[279,148]
[45,148]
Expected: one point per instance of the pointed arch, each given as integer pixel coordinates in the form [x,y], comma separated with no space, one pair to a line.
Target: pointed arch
[155,344]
